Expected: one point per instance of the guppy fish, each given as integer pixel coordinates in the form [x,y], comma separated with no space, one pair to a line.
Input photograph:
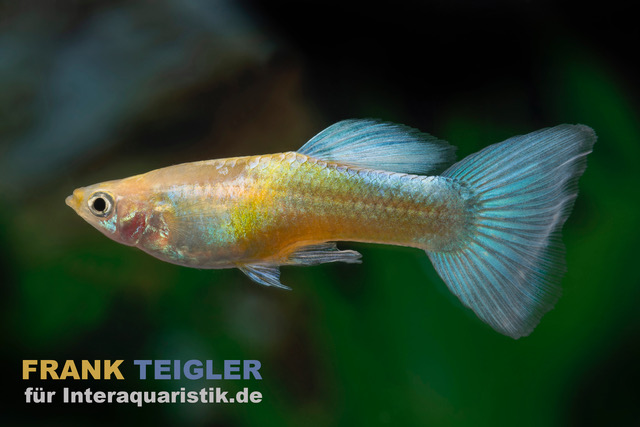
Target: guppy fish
[490,223]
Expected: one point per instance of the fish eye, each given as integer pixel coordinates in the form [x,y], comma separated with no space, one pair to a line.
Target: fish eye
[101,204]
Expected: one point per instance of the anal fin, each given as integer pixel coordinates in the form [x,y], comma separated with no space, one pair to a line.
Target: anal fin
[269,274]
[322,253]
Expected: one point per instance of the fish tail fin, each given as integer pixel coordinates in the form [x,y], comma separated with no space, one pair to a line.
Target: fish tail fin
[508,271]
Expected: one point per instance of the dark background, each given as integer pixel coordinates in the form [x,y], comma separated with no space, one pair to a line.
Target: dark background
[98,90]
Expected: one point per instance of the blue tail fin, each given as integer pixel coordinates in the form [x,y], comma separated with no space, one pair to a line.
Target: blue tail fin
[524,189]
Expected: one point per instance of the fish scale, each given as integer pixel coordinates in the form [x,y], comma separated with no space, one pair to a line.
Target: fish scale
[355,205]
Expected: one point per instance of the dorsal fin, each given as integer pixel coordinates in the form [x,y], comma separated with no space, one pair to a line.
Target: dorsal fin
[374,144]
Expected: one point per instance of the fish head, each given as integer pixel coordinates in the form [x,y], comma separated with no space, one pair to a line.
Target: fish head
[114,208]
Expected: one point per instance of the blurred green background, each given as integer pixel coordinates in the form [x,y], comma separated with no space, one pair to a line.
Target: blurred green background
[98,90]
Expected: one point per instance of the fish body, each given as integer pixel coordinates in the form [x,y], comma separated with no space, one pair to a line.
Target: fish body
[488,223]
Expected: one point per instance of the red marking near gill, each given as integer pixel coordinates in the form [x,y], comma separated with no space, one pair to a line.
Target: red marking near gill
[131,228]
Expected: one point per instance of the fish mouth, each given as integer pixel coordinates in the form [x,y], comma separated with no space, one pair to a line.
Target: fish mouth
[73,201]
